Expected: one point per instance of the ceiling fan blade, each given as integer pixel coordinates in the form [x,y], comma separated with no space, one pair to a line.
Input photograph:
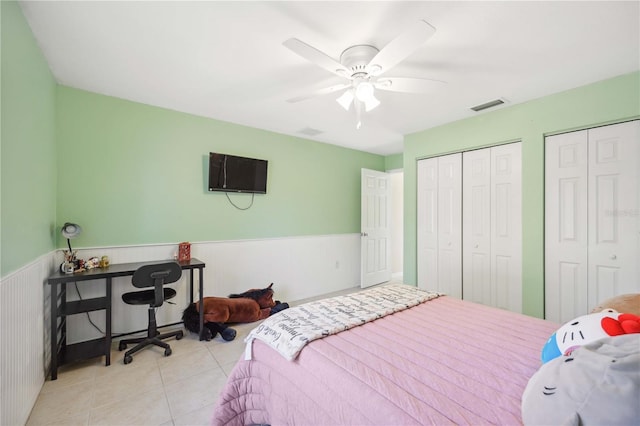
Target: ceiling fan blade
[320,92]
[407,85]
[401,47]
[317,57]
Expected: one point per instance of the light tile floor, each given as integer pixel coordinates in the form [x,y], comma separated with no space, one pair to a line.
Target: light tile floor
[153,390]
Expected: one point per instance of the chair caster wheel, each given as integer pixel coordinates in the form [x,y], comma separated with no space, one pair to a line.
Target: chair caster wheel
[179,336]
[128,359]
[122,346]
[167,352]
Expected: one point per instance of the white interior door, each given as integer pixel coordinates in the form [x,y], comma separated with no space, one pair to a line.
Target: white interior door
[375,228]
[427,223]
[506,226]
[614,211]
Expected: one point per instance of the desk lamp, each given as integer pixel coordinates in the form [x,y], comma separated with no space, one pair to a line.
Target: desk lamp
[69,231]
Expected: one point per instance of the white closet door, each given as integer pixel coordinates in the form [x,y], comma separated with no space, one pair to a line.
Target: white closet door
[614,213]
[439,224]
[592,218]
[428,224]
[476,223]
[450,225]
[506,226]
[492,226]
[566,226]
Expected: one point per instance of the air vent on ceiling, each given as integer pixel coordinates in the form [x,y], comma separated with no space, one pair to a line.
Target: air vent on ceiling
[487,105]
[310,131]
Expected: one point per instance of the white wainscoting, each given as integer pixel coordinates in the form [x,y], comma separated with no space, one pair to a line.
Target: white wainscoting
[24,336]
[298,267]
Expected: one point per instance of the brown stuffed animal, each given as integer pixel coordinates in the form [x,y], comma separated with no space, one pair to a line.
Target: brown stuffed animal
[625,303]
[252,305]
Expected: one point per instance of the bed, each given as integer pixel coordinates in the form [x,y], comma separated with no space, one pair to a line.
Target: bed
[442,361]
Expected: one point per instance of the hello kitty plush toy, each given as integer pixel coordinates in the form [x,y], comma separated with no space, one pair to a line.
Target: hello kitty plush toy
[587,329]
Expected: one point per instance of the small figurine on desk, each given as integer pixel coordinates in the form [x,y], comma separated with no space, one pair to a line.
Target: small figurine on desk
[84,265]
[93,262]
[72,264]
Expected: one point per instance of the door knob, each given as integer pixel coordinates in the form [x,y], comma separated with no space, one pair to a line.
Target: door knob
[613,257]
[364,234]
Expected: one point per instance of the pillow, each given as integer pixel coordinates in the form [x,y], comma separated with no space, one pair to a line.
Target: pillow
[628,303]
[598,384]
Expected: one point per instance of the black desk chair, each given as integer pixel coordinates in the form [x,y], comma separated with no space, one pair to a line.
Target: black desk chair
[156,276]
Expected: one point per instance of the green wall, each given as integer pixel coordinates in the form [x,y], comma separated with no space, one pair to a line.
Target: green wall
[27,145]
[604,102]
[393,162]
[134,174]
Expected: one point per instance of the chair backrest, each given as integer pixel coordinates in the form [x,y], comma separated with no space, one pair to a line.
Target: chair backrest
[157,275]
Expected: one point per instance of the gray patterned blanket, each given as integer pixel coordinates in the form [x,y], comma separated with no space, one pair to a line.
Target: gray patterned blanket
[289,331]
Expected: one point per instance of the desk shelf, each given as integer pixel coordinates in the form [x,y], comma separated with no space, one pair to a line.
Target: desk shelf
[63,353]
[83,350]
[86,305]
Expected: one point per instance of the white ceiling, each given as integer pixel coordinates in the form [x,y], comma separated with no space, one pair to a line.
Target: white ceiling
[226,60]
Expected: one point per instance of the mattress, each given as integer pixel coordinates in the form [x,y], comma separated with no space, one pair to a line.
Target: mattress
[445,361]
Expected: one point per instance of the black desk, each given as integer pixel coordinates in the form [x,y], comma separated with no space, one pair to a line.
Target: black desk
[62,353]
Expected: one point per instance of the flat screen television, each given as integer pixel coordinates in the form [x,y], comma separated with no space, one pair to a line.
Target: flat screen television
[230,173]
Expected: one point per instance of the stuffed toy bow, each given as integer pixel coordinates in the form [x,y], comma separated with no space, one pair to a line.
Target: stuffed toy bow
[625,324]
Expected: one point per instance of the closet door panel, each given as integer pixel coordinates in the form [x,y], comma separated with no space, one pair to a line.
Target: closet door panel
[565,226]
[450,225]
[613,208]
[476,225]
[428,224]
[506,226]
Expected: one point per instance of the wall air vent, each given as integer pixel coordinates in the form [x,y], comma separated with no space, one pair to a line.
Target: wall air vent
[310,131]
[487,105]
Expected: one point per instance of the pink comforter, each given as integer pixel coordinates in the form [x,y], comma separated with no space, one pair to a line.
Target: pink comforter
[445,361]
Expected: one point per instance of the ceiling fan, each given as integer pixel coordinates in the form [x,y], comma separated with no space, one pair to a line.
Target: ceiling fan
[363,66]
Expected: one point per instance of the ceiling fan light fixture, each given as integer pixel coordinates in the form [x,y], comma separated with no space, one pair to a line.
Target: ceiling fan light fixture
[371,103]
[364,91]
[346,99]
[362,64]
